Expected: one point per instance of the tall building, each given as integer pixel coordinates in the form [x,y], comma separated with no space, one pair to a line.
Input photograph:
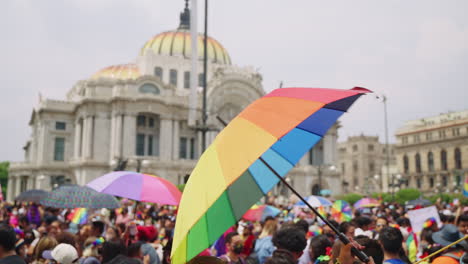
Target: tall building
[136,115]
[362,162]
[432,153]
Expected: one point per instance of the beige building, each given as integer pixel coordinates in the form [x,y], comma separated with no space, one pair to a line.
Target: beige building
[432,153]
[138,113]
[362,163]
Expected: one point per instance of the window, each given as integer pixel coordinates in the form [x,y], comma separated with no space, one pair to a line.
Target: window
[417,160]
[458,180]
[458,159]
[141,120]
[140,145]
[444,180]
[430,161]
[200,80]
[173,77]
[23,183]
[151,122]
[158,72]
[187,80]
[431,182]
[418,182]
[404,140]
[371,166]
[150,145]
[429,136]
[183,148]
[192,148]
[370,147]
[441,133]
[316,154]
[456,131]
[149,88]
[405,164]
[60,126]
[416,139]
[59,149]
[443,160]
[343,167]
[355,148]
[355,166]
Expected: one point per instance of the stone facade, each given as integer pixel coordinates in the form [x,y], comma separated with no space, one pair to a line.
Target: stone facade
[138,113]
[362,163]
[432,153]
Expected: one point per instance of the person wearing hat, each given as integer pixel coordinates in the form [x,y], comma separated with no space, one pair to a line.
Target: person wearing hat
[62,254]
[446,236]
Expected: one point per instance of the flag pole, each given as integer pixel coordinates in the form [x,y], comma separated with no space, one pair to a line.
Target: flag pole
[358,253]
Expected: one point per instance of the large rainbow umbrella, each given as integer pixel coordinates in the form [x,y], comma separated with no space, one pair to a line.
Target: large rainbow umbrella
[366,202]
[261,212]
[238,168]
[341,211]
[137,186]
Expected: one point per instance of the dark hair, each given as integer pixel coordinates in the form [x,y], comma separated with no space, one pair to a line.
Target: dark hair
[371,248]
[363,221]
[451,219]
[134,249]
[229,237]
[403,221]
[391,239]
[7,237]
[318,245]
[343,227]
[426,234]
[66,238]
[302,224]
[99,225]
[334,223]
[167,252]
[281,257]
[291,238]
[111,249]
[462,218]
[443,218]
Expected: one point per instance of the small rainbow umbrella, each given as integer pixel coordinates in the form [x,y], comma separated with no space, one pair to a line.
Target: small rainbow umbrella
[137,186]
[315,201]
[341,211]
[260,212]
[241,165]
[366,202]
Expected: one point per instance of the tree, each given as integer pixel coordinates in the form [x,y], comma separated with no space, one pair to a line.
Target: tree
[405,195]
[4,175]
[351,198]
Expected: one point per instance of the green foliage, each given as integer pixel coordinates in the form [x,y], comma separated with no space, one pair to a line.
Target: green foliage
[386,197]
[448,198]
[4,175]
[351,198]
[405,195]
[181,187]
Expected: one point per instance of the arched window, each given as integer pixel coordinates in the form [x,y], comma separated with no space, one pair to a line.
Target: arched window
[406,164]
[158,72]
[443,160]
[187,80]
[149,88]
[430,161]
[173,77]
[458,159]
[431,182]
[417,160]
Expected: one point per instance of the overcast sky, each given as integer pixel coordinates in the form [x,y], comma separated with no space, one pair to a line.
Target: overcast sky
[414,52]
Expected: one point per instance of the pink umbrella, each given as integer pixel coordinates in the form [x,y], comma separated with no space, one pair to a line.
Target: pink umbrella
[137,186]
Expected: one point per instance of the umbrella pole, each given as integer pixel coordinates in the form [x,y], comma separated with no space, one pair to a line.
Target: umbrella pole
[361,255]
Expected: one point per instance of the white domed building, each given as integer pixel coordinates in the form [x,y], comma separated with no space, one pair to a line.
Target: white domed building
[136,115]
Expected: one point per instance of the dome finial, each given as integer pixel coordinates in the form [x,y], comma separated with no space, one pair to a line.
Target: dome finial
[185,17]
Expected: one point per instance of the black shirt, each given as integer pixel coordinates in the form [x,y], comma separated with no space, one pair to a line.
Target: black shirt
[13,259]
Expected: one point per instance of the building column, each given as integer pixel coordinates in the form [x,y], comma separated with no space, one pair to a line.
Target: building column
[30,184]
[17,186]
[88,137]
[42,143]
[129,135]
[116,136]
[77,147]
[10,188]
[101,137]
[175,139]
[166,139]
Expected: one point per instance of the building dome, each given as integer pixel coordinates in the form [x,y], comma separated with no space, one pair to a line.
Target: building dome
[178,43]
[120,72]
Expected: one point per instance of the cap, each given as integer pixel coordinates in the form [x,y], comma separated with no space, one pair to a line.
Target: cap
[63,253]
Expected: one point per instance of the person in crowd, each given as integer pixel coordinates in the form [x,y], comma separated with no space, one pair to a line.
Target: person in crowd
[123,218]
[380,223]
[113,252]
[147,234]
[234,247]
[446,236]
[320,249]
[372,248]
[264,246]
[45,243]
[462,224]
[62,254]
[290,243]
[97,228]
[249,239]
[90,252]
[112,233]
[134,253]
[364,225]
[7,246]
[391,240]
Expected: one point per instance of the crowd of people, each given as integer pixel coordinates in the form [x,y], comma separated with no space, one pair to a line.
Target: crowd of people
[142,233]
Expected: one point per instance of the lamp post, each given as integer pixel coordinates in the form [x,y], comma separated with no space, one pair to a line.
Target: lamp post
[393,184]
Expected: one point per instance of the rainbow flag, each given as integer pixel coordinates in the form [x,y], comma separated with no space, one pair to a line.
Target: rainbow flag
[78,216]
[412,245]
[465,187]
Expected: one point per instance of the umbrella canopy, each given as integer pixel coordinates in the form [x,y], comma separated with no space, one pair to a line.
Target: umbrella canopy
[261,212]
[366,202]
[75,196]
[341,211]
[419,201]
[31,196]
[315,201]
[137,186]
[238,168]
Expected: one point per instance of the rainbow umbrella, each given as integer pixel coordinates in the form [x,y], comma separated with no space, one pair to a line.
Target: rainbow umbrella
[315,201]
[137,186]
[260,212]
[366,202]
[341,211]
[240,166]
